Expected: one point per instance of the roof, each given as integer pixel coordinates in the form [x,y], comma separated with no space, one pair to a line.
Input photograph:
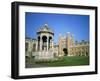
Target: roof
[28,38]
[45,29]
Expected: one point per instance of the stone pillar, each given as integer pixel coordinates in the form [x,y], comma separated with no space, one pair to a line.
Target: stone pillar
[40,43]
[47,42]
[36,45]
[52,44]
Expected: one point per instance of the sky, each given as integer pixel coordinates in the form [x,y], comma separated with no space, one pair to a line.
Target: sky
[77,25]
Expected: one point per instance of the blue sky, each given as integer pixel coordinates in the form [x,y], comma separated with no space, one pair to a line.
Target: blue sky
[78,25]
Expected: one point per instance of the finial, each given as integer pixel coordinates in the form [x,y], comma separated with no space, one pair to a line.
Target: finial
[59,34]
[46,24]
[68,32]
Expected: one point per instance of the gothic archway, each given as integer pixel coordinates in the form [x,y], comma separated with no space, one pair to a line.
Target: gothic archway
[44,45]
[50,42]
[38,42]
[65,51]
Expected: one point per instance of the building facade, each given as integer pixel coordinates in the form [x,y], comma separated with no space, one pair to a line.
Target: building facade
[73,48]
[43,46]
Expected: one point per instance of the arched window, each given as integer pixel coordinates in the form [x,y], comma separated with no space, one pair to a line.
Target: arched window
[26,46]
[34,47]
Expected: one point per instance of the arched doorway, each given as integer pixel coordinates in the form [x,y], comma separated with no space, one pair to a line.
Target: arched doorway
[50,42]
[44,45]
[65,51]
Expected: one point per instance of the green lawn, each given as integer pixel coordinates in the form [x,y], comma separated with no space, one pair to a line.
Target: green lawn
[65,61]
[70,61]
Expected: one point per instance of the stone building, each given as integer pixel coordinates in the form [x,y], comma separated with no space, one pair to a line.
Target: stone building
[30,46]
[73,48]
[43,46]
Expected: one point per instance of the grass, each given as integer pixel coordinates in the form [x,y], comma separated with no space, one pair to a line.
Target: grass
[65,61]
[70,61]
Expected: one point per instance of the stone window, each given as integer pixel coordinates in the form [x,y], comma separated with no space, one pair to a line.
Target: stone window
[26,46]
[34,47]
